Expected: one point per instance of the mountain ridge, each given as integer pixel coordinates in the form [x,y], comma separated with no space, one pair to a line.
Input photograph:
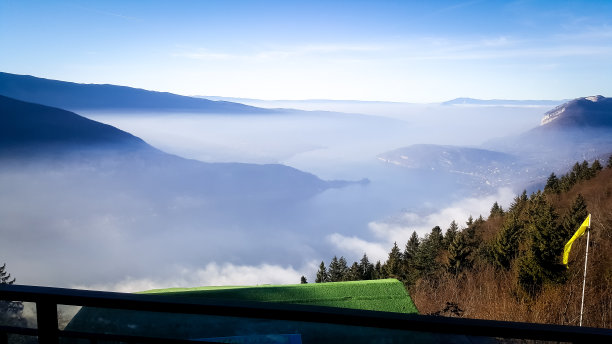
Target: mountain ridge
[579,129]
[44,136]
[75,96]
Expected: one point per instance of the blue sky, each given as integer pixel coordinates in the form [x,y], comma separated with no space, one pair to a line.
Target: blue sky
[369,50]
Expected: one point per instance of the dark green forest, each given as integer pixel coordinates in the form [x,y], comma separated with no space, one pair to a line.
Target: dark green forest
[508,266]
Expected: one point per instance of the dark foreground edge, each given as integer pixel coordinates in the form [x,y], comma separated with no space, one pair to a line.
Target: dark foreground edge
[47,299]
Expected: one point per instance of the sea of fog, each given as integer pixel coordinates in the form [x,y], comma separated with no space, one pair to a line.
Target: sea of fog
[128,242]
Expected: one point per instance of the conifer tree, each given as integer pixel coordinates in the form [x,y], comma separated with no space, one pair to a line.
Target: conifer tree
[496,210]
[409,258]
[574,218]
[585,171]
[354,273]
[366,268]
[459,254]
[337,269]
[379,272]
[479,220]
[393,266]
[567,181]
[552,184]
[412,247]
[596,167]
[530,275]
[426,262]
[609,164]
[506,245]
[5,277]
[547,239]
[450,234]
[10,311]
[303,280]
[470,221]
[518,208]
[344,269]
[436,238]
[322,275]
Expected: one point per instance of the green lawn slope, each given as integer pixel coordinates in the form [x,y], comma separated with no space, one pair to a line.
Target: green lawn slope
[388,295]
[381,295]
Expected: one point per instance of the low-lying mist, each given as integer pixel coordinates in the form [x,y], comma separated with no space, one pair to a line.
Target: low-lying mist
[78,224]
[331,145]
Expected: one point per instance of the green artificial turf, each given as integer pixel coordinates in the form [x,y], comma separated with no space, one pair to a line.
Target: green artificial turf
[388,295]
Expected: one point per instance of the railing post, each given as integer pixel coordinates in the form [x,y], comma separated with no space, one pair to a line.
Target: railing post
[46,315]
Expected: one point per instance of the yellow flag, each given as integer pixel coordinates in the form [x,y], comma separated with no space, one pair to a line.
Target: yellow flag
[579,233]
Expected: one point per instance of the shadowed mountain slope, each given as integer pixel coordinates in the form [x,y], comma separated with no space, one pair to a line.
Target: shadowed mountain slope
[46,136]
[38,127]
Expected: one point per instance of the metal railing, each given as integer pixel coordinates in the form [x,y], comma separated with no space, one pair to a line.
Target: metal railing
[47,300]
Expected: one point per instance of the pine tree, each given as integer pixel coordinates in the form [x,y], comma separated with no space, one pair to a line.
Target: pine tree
[344,269]
[379,272]
[547,241]
[609,164]
[409,258]
[585,171]
[459,254]
[496,210]
[425,261]
[436,238]
[450,234]
[366,268]
[5,277]
[10,311]
[322,275]
[337,269]
[506,245]
[552,184]
[470,221]
[480,220]
[567,181]
[596,167]
[518,204]
[393,266]
[303,280]
[574,218]
[530,275]
[354,273]
[412,247]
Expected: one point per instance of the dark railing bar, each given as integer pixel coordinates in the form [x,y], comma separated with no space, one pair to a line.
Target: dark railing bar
[46,317]
[24,331]
[319,314]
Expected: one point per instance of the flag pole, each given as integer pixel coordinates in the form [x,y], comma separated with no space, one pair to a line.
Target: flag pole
[586,257]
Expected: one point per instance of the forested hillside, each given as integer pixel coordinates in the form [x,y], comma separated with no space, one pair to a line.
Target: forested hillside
[509,265]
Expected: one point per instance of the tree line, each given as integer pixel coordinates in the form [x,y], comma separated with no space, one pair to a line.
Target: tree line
[521,246]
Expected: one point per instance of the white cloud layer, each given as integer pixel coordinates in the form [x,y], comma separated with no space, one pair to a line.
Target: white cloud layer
[400,228]
[213,274]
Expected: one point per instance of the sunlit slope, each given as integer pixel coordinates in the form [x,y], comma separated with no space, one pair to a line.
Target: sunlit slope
[381,295]
[388,295]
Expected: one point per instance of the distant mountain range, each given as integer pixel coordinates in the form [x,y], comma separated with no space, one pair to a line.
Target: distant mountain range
[75,97]
[44,136]
[502,102]
[456,101]
[580,129]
